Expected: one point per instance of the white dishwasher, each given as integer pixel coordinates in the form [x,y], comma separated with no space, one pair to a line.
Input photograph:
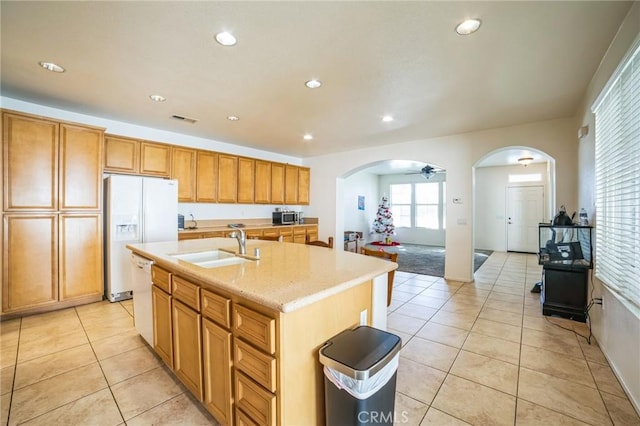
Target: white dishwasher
[141,286]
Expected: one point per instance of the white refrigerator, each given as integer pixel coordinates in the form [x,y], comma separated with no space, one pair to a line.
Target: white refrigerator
[137,210]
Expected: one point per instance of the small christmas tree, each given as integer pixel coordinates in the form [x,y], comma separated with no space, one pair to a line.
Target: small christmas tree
[383,223]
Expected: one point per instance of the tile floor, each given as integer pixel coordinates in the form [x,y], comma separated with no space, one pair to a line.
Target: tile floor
[478,353]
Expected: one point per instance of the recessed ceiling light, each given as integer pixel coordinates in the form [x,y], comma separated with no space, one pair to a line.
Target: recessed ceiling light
[157,98]
[469,26]
[387,118]
[233,118]
[226,39]
[313,84]
[307,137]
[50,66]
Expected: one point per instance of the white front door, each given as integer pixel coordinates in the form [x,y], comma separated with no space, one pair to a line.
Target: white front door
[525,209]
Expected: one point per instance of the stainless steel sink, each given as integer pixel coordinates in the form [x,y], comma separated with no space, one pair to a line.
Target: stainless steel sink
[210,258]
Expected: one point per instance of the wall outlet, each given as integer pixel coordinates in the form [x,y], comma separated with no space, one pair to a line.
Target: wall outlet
[363,317]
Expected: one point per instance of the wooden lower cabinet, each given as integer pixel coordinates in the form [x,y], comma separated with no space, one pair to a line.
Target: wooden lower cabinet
[162,325]
[217,363]
[81,256]
[30,262]
[187,347]
[299,235]
[254,400]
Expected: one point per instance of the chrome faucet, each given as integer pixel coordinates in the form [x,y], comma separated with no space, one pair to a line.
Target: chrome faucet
[239,235]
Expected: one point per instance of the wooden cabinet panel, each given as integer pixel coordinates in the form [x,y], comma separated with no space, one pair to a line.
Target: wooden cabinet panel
[286,234]
[217,363]
[80,168]
[299,234]
[255,328]
[186,292]
[187,347]
[216,308]
[227,178]
[30,259]
[162,325]
[277,183]
[155,159]
[121,155]
[246,180]
[30,148]
[304,180]
[312,232]
[257,402]
[206,177]
[161,278]
[290,184]
[257,365]
[262,193]
[80,256]
[271,232]
[243,420]
[183,168]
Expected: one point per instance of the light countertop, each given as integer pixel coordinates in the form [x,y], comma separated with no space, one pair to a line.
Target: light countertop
[287,277]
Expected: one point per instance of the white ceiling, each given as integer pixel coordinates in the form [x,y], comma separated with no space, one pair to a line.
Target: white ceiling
[529,61]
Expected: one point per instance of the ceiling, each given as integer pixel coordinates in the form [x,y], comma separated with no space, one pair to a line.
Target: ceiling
[529,61]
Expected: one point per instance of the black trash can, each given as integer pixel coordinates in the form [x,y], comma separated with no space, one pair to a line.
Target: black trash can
[360,377]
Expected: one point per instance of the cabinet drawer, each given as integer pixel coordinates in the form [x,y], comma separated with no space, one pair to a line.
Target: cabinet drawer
[161,278]
[255,401]
[299,230]
[186,292]
[216,308]
[243,420]
[271,233]
[259,366]
[255,328]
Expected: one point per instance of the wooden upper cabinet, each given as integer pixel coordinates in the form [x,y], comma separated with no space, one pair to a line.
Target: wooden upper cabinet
[80,168]
[121,155]
[155,159]
[206,176]
[304,180]
[277,183]
[227,178]
[290,184]
[262,193]
[246,180]
[80,256]
[30,155]
[183,168]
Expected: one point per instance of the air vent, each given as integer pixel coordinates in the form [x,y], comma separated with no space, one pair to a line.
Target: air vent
[185,119]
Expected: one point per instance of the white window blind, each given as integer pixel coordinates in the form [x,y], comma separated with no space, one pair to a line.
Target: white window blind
[617,168]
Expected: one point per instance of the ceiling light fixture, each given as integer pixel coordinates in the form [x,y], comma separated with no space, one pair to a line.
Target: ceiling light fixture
[387,118]
[525,161]
[226,38]
[469,26]
[50,66]
[233,118]
[157,98]
[307,137]
[313,84]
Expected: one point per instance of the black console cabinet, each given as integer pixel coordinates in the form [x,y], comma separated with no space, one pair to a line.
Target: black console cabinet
[564,292]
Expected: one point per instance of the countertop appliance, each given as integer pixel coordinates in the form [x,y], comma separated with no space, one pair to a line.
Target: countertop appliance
[284,217]
[137,210]
[142,304]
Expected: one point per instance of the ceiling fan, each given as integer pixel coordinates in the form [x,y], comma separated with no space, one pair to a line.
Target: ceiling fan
[428,171]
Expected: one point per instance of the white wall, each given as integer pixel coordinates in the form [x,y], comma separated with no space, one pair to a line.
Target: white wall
[491,185]
[616,324]
[365,184]
[457,154]
[199,210]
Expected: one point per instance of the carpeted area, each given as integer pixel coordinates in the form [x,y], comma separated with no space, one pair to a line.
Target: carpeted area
[427,260]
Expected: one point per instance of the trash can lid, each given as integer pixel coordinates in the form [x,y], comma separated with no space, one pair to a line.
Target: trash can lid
[360,352]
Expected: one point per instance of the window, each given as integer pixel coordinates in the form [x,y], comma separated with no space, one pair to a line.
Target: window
[419,205]
[617,111]
[520,178]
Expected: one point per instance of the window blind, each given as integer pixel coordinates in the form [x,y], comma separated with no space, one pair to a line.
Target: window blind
[617,170]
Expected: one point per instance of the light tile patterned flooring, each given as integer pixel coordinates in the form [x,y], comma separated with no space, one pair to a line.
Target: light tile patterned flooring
[477,353]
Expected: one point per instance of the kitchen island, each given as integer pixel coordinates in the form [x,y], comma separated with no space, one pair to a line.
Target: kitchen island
[243,334]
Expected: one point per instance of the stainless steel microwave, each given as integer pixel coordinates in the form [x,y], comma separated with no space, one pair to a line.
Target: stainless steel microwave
[285,218]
